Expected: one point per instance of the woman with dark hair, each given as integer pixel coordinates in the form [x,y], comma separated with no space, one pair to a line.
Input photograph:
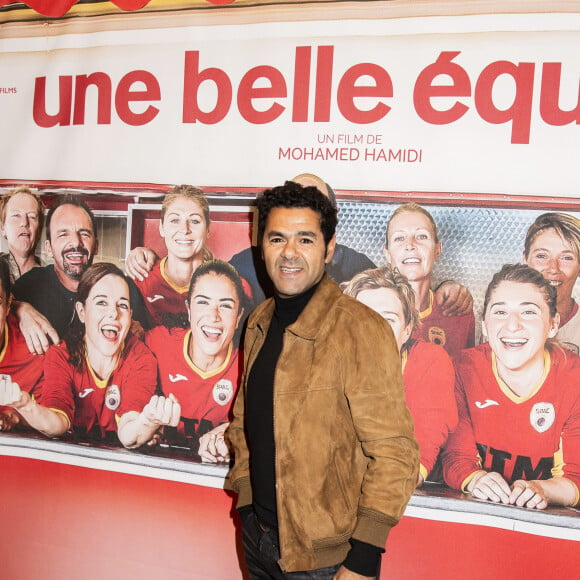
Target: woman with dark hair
[20,371]
[518,396]
[184,226]
[100,381]
[428,374]
[200,365]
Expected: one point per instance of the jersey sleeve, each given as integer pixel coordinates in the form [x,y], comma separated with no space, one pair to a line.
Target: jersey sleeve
[56,389]
[140,312]
[460,457]
[139,378]
[570,448]
[432,404]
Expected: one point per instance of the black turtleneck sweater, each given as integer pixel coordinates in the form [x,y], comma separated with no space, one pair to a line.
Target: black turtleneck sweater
[260,407]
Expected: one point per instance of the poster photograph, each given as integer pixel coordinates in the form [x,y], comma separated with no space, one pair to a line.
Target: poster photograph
[136,138]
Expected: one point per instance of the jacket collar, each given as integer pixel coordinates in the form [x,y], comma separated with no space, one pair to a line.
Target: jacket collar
[310,322]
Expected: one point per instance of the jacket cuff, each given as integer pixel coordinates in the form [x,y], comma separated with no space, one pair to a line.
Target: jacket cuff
[244,490]
[373,527]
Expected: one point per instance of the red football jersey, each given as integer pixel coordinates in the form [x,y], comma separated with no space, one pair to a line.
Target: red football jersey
[90,404]
[532,437]
[205,397]
[429,379]
[454,333]
[15,360]
[164,300]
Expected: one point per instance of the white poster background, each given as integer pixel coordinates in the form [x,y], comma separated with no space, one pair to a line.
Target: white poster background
[468,155]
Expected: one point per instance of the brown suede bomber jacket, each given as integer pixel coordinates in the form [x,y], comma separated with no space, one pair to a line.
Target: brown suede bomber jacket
[346,459]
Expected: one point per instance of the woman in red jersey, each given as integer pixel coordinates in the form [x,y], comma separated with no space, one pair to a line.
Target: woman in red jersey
[184,227]
[518,396]
[428,373]
[100,381]
[412,245]
[19,370]
[200,365]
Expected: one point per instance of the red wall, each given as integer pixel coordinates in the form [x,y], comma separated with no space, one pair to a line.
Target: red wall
[75,523]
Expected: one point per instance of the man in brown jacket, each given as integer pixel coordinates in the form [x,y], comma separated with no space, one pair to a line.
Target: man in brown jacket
[325,458]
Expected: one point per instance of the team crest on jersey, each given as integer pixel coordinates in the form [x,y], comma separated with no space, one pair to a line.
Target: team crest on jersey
[223,391]
[436,335]
[113,397]
[542,416]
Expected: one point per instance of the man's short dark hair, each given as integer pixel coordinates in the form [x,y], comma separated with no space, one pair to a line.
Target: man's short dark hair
[70,199]
[293,195]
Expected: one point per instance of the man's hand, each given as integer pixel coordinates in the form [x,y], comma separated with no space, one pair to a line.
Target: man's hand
[454,299]
[37,330]
[346,574]
[139,263]
[213,447]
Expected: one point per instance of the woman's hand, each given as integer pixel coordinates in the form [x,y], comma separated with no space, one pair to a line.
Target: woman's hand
[162,411]
[213,447]
[491,486]
[528,494]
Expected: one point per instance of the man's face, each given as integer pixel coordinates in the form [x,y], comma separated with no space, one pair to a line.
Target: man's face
[72,243]
[294,250]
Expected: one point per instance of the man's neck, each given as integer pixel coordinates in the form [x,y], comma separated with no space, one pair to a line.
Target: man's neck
[69,283]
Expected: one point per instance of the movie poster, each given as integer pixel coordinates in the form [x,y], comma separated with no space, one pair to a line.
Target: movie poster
[470,112]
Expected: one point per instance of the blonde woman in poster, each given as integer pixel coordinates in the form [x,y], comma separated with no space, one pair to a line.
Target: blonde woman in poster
[428,374]
[21,219]
[100,381]
[518,396]
[184,227]
[552,247]
[413,246]
[200,365]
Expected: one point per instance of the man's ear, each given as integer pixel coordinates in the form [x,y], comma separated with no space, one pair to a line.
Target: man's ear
[330,247]
[48,248]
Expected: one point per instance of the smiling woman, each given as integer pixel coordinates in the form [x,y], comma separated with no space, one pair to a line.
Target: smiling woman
[200,366]
[184,226]
[518,398]
[100,381]
[413,246]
